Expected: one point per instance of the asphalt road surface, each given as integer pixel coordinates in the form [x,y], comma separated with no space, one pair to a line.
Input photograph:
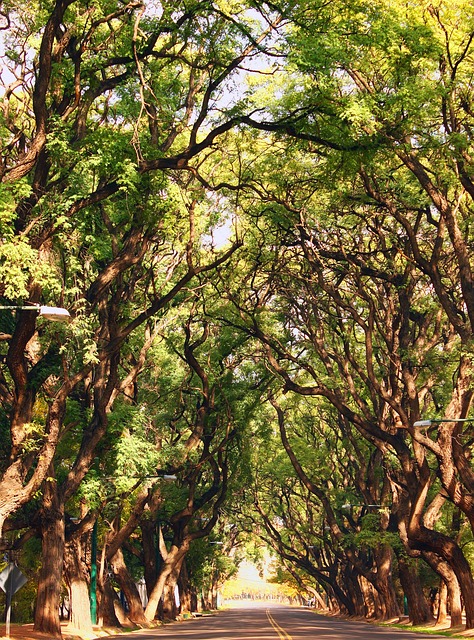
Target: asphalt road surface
[267,622]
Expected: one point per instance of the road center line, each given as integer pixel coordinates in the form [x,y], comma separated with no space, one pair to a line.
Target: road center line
[282,634]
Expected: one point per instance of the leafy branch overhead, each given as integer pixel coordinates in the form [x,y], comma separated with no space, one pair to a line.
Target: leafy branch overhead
[258,216]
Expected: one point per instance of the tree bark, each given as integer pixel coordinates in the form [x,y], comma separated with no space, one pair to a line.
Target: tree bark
[50,577]
[107,604]
[172,563]
[150,553]
[445,548]
[170,606]
[389,607]
[78,587]
[129,588]
[451,583]
[360,592]
[185,590]
[418,608]
[442,614]
[384,584]
[170,609]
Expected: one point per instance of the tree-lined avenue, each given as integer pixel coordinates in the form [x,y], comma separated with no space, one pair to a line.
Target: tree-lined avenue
[308,381]
[264,622]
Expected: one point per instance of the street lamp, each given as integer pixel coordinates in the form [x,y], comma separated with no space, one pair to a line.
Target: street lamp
[167,477]
[56,314]
[430,421]
[348,506]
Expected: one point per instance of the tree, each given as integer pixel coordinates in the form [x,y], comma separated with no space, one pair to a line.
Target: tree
[91,215]
[86,133]
[349,178]
[372,252]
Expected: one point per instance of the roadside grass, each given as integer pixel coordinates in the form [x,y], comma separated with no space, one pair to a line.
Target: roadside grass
[427,630]
[448,633]
[458,632]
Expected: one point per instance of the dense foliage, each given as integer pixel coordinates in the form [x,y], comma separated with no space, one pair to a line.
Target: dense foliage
[258,216]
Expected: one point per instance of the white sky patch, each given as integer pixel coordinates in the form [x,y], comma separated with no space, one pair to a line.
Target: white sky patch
[219,236]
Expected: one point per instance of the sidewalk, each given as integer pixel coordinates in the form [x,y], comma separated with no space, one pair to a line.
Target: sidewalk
[26,632]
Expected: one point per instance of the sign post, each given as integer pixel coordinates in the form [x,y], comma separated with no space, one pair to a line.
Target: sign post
[11,580]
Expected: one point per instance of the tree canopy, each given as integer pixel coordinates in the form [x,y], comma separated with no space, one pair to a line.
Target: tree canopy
[258,216]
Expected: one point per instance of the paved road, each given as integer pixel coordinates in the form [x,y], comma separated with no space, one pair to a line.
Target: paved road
[271,623]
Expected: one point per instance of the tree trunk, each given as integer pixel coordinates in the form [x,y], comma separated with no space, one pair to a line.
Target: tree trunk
[185,590]
[442,614]
[335,593]
[448,576]
[334,604]
[108,602]
[318,600]
[384,584]
[51,573]
[173,560]
[344,600]
[446,548]
[357,589]
[214,594]
[129,589]
[78,587]
[389,607]
[171,606]
[381,593]
[418,608]
[151,556]
[170,609]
